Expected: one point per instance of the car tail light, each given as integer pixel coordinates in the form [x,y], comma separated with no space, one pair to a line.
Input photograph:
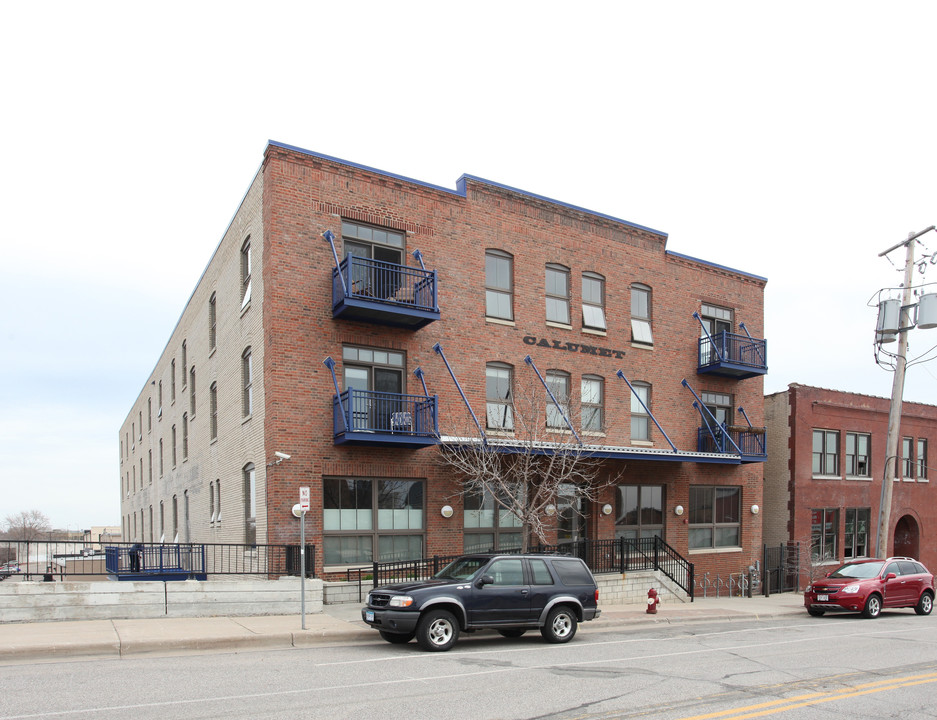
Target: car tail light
[596,596]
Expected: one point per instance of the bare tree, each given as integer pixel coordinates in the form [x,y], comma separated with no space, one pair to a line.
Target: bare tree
[27,525]
[531,459]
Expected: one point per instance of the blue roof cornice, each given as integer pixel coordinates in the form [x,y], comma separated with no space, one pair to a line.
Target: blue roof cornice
[717,266]
[460,186]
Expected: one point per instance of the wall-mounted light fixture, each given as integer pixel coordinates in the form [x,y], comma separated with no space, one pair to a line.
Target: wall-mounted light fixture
[755,509]
[678,510]
[446,511]
[606,509]
[550,509]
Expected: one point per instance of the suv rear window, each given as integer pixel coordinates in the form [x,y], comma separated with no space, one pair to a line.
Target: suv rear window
[573,572]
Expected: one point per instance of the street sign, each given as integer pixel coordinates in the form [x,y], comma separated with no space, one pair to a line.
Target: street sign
[304,499]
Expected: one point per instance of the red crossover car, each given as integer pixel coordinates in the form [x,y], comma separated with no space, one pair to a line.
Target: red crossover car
[868,586]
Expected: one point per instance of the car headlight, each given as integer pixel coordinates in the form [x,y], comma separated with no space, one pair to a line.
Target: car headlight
[401,601]
[809,588]
[851,589]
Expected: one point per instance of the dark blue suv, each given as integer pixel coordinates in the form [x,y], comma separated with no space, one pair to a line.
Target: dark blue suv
[507,593]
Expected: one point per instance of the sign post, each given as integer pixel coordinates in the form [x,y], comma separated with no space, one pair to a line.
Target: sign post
[303,508]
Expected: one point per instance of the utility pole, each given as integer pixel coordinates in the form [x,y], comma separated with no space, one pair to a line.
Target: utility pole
[905,323]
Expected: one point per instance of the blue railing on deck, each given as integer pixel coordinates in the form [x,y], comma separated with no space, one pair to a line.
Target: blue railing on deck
[384,282]
[382,412]
[726,347]
[750,441]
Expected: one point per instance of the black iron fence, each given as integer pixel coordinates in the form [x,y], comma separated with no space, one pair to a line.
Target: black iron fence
[68,560]
[602,556]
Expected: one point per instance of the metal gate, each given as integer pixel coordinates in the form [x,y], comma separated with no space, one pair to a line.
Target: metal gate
[781,568]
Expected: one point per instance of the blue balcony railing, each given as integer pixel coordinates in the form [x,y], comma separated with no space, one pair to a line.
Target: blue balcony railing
[384,293]
[732,355]
[748,442]
[366,417]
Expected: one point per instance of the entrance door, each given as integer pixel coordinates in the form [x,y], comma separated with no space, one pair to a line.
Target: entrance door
[907,537]
[571,523]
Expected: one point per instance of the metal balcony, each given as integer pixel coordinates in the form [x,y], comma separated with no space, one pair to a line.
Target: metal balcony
[364,417]
[732,355]
[384,293]
[749,443]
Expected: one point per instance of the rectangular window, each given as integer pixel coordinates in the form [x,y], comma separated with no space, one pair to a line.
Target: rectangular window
[174,446]
[353,533]
[213,410]
[640,420]
[715,517]
[558,383]
[826,452]
[640,512]
[921,459]
[907,458]
[499,285]
[212,322]
[192,391]
[250,504]
[499,403]
[160,457]
[246,272]
[185,364]
[172,381]
[857,454]
[185,436]
[149,414]
[487,525]
[641,315]
[593,301]
[557,292]
[247,382]
[856,537]
[593,403]
[824,527]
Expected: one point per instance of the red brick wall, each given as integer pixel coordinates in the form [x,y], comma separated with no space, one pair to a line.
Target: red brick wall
[816,408]
[305,195]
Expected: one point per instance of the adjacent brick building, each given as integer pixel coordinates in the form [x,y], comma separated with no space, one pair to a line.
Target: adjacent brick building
[335,282]
[823,477]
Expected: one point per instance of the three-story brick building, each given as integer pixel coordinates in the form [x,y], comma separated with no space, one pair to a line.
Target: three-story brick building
[335,283]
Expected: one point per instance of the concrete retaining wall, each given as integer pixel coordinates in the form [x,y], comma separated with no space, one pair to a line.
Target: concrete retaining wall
[631,588]
[109,600]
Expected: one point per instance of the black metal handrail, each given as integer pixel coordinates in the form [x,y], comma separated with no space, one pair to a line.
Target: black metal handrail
[602,556]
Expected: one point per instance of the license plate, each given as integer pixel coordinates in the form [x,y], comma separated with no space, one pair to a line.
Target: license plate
[369,615]
[823,598]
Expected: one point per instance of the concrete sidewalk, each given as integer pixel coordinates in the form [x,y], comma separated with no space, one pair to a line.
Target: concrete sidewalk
[336,625]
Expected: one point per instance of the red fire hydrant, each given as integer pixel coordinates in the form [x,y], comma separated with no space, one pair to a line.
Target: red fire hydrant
[652,601]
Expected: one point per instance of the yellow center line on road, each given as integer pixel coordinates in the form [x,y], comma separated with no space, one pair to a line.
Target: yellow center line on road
[799,701]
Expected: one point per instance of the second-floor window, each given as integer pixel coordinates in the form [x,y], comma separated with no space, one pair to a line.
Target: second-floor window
[499,403]
[558,382]
[557,291]
[857,454]
[213,410]
[826,452]
[907,458]
[640,420]
[921,459]
[247,383]
[499,285]
[593,403]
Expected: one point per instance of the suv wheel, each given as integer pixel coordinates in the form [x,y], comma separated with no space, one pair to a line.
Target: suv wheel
[437,630]
[925,604]
[560,626]
[396,638]
[873,606]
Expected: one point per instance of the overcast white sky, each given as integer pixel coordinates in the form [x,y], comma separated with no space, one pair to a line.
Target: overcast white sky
[791,140]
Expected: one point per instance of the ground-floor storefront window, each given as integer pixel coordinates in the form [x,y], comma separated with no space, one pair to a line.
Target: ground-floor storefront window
[639,512]
[368,519]
[824,528]
[715,517]
[488,526]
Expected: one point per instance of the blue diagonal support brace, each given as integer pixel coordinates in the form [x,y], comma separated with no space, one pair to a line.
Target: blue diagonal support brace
[437,348]
[745,415]
[712,342]
[419,258]
[330,364]
[700,407]
[530,361]
[647,410]
[330,238]
[419,373]
[755,344]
